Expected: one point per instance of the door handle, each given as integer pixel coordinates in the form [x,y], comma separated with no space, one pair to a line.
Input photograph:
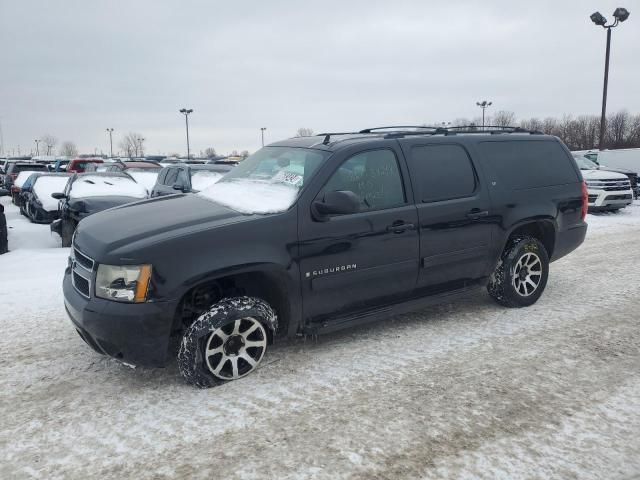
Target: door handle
[399,227]
[476,213]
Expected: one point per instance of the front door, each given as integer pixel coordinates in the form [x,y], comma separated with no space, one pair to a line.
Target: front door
[356,261]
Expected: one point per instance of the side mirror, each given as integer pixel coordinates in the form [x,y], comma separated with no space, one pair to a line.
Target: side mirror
[59,196]
[177,186]
[341,202]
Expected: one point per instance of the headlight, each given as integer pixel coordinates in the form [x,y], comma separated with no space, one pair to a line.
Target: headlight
[123,283]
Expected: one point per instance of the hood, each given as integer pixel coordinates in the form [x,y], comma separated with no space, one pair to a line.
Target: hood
[619,170]
[150,221]
[91,205]
[602,175]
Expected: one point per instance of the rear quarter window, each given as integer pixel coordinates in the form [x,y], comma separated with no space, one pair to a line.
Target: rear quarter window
[522,164]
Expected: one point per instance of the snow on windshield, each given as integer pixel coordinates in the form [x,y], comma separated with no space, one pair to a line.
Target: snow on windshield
[252,196]
[146,177]
[22,177]
[103,186]
[203,179]
[45,186]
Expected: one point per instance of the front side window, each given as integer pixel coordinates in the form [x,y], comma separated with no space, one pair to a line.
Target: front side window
[172,177]
[373,176]
[441,172]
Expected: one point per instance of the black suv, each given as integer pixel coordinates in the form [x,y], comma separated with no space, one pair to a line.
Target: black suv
[314,234]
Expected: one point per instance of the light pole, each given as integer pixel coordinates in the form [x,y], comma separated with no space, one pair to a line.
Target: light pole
[110,130]
[186,113]
[620,15]
[483,105]
[37,146]
[262,129]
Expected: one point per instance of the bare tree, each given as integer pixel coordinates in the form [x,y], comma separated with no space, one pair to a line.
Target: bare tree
[304,132]
[68,149]
[210,152]
[503,118]
[244,153]
[133,145]
[234,153]
[49,142]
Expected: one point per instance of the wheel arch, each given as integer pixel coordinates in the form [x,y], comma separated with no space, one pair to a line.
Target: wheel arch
[544,229]
[269,282]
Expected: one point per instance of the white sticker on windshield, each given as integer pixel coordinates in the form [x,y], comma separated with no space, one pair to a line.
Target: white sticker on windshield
[291,178]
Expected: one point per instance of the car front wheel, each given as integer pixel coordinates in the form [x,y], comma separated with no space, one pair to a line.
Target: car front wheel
[227,342]
[521,274]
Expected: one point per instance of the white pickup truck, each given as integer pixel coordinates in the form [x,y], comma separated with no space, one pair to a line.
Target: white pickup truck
[607,190]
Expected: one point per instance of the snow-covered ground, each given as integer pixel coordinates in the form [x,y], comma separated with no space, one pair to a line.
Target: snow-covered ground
[461,390]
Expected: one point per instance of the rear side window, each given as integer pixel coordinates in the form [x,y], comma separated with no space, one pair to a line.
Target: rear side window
[441,172]
[521,164]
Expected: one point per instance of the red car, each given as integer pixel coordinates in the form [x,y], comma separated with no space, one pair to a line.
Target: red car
[79,165]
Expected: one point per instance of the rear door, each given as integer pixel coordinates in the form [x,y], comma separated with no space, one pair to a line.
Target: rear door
[453,210]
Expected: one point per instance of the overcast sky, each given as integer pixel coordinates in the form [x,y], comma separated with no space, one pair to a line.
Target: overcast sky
[73,68]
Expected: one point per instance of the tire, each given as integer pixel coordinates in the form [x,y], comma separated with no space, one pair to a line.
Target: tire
[66,232]
[226,342]
[521,274]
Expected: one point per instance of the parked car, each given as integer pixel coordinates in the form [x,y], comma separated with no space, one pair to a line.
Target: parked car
[21,179]
[23,191]
[607,190]
[13,168]
[60,165]
[187,178]
[79,165]
[38,205]
[592,157]
[89,193]
[314,234]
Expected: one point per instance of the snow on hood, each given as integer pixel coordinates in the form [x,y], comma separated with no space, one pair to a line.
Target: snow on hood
[103,186]
[252,196]
[203,179]
[23,177]
[602,175]
[45,186]
[146,179]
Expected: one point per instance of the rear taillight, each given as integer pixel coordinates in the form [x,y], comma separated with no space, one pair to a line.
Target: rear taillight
[585,200]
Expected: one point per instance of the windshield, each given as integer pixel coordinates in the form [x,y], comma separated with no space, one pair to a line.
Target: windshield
[267,181]
[585,164]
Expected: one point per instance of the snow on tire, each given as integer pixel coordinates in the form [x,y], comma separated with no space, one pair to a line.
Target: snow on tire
[521,273]
[226,342]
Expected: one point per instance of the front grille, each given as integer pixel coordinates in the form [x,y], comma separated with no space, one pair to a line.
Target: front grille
[611,185]
[83,260]
[82,272]
[81,284]
[593,198]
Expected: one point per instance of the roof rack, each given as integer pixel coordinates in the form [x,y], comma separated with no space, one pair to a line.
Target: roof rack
[398,130]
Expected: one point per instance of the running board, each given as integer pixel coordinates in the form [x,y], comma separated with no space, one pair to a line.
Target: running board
[374,315]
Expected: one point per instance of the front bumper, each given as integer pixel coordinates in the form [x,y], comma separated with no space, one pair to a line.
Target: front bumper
[601,199]
[136,334]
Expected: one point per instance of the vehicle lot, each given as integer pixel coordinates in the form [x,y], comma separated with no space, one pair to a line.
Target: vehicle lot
[463,390]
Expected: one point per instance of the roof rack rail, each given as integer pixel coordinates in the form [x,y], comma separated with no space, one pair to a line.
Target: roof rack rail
[421,127]
[491,129]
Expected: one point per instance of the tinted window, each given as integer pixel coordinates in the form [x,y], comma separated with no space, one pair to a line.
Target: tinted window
[172,177]
[441,172]
[162,175]
[521,164]
[373,176]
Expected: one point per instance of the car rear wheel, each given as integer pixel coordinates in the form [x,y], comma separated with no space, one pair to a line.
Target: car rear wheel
[521,274]
[227,342]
